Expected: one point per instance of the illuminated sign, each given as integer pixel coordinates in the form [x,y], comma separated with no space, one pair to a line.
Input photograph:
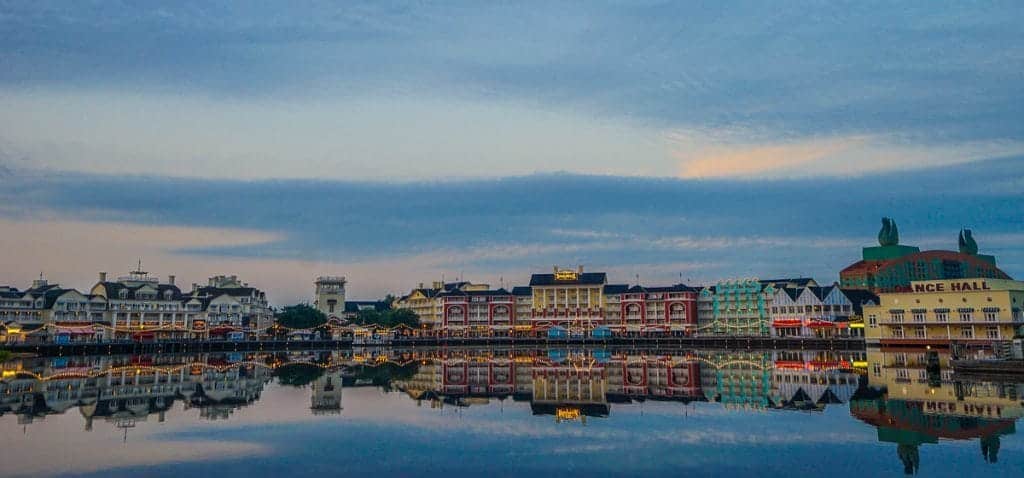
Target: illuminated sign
[951,286]
[567,413]
[566,275]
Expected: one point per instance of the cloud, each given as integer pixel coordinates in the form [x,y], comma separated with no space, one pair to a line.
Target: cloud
[383,90]
[387,237]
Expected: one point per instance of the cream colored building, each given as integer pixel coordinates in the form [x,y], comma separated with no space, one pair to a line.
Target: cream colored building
[428,303]
[330,296]
[943,312]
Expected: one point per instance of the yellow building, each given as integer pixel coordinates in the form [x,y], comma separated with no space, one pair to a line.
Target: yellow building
[428,304]
[942,312]
[568,298]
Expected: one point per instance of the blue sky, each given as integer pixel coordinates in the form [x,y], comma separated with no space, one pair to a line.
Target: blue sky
[395,142]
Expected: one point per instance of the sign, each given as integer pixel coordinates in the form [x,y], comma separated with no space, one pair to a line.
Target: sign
[951,286]
[566,275]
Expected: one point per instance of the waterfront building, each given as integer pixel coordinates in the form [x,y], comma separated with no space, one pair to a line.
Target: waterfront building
[427,304]
[476,313]
[522,296]
[974,312]
[139,307]
[330,296]
[571,300]
[24,314]
[735,307]
[640,310]
[231,307]
[816,311]
[891,266]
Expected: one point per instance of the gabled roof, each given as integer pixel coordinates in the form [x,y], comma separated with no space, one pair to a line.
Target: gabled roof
[821,292]
[586,278]
[859,298]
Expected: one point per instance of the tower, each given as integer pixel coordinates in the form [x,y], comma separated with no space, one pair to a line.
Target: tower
[330,295]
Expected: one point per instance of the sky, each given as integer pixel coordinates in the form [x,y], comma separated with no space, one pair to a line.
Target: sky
[399,142]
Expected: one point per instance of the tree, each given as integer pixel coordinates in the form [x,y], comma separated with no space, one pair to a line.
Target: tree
[388,318]
[300,316]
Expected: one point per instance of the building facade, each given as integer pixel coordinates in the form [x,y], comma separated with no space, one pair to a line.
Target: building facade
[330,296]
[943,312]
[892,267]
[572,300]
[735,307]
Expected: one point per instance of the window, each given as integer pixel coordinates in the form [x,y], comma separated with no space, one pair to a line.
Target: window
[967,332]
[896,316]
[897,332]
[872,320]
[966,315]
[991,315]
[942,315]
[919,332]
[918,316]
[992,332]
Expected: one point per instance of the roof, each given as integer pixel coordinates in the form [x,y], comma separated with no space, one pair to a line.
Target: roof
[232,291]
[663,289]
[586,278]
[821,292]
[114,289]
[872,266]
[791,282]
[859,297]
[615,288]
[522,290]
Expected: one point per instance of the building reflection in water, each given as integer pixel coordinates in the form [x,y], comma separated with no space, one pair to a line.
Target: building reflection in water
[902,394]
[913,400]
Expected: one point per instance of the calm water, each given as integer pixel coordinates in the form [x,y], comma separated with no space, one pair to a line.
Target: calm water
[463,412]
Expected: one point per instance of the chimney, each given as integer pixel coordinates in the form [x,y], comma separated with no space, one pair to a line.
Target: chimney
[421,285]
[103,276]
[555,269]
[195,287]
[170,279]
[579,269]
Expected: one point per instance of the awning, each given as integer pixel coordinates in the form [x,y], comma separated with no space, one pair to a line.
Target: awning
[787,323]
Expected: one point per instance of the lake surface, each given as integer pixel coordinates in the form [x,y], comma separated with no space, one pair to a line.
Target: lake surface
[504,412]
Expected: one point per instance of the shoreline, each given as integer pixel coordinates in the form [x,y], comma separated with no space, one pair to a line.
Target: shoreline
[721,343]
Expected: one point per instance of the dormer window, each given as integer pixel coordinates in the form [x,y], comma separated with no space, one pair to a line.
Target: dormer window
[123,294]
[168,295]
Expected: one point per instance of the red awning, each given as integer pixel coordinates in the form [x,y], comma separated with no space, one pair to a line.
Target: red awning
[819,324]
[786,323]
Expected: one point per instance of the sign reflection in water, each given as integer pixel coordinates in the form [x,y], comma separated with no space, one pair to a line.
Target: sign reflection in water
[897,393]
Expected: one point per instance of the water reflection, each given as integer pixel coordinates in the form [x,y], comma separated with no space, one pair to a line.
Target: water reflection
[913,398]
[908,398]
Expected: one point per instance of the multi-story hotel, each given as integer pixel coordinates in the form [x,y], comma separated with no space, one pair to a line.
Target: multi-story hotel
[428,305]
[641,310]
[736,307]
[943,312]
[136,307]
[891,266]
[568,299]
